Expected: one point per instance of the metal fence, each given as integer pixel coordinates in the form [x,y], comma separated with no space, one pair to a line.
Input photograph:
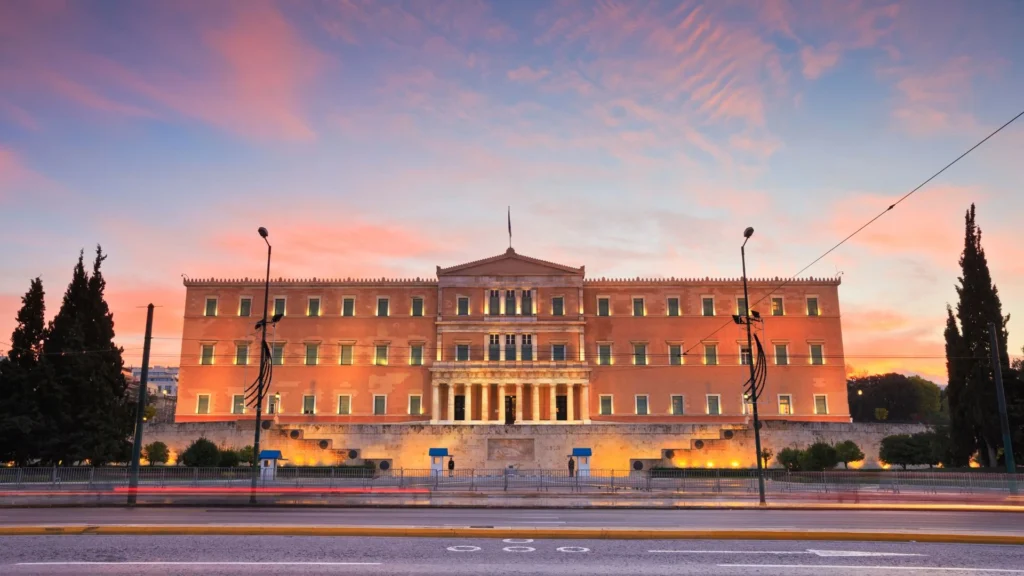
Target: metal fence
[736,483]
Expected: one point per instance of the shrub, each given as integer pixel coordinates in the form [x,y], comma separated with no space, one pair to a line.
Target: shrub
[156,453]
[201,452]
[790,458]
[766,456]
[245,455]
[819,456]
[899,450]
[228,458]
[847,451]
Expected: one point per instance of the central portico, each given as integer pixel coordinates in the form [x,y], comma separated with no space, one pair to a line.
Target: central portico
[496,362]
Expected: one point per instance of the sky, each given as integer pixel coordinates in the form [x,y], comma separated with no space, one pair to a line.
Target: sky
[637,138]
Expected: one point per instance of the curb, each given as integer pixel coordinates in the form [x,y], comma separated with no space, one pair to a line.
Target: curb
[537,533]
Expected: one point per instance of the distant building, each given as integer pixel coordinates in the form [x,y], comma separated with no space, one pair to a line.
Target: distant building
[162,380]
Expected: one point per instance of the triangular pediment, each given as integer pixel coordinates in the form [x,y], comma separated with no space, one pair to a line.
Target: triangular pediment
[510,264]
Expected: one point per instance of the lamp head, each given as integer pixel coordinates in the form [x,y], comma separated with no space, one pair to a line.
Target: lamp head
[746,233]
[263,232]
[276,318]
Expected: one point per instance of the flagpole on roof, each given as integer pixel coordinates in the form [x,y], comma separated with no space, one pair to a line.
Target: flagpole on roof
[510,227]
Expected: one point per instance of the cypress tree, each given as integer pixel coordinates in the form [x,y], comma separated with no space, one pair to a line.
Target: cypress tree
[20,376]
[963,440]
[978,306]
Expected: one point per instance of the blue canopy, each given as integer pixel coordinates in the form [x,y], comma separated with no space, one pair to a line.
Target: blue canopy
[438,452]
[581,452]
[270,455]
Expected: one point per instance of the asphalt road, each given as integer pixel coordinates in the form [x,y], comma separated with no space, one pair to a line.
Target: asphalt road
[231,555]
[866,520]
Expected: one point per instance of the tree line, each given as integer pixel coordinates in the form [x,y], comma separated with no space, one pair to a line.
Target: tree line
[63,393]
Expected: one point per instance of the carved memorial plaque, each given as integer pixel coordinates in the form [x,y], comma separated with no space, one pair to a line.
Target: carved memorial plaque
[510,449]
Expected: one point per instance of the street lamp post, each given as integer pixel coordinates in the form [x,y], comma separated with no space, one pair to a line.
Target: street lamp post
[263,359]
[750,348]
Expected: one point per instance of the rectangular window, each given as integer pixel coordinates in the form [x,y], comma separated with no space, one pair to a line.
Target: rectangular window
[817,354]
[203,404]
[675,354]
[820,404]
[812,306]
[348,307]
[781,355]
[510,347]
[741,306]
[640,354]
[744,354]
[677,404]
[463,306]
[345,405]
[673,306]
[638,306]
[415,404]
[417,306]
[527,347]
[277,353]
[206,358]
[714,406]
[211,307]
[558,352]
[383,307]
[279,305]
[558,306]
[416,355]
[603,307]
[241,354]
[245,307]
[380,404]
[604,354]
[312,354]
[785,404]
[748,404]
[462,352]
[273,404]
[380,355]
[711,354]
[345,355]
[494,303]
[494,346]
[707,305]
[641,405]
[777,309]
[526,299]
[313,309]
[309,404]
[238,404]
[605,404]
[510,302]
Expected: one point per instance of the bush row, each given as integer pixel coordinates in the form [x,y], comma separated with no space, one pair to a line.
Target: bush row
[200,452]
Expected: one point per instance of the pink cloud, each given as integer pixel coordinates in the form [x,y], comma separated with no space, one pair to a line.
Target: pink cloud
[932,102]
[19,115]
[527,74]
[20,182]
[89,98]
[816,62]
[879,340]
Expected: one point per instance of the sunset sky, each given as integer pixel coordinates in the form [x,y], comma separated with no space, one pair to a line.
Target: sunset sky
[636,138]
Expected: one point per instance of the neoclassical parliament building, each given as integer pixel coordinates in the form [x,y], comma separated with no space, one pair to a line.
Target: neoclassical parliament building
[512,340]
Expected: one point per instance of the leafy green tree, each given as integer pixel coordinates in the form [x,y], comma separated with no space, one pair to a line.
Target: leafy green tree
[790,458]
[847,451]
[881,414]
[156,453]
[904,398]
[228,458]
[818,457]
[21,373]
[245,455]
[930,448]
[899,450]
[201,452]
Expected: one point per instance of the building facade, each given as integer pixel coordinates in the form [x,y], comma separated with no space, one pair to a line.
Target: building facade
[512,340]
[161,380]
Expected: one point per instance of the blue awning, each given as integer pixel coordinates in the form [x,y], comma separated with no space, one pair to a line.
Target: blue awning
[438,452]
[270,455]
[581,452]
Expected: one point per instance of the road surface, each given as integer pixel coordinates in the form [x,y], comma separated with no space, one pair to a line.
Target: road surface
[957,522]
[256,555]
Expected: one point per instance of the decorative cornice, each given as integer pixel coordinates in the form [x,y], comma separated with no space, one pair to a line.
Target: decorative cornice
[311,282]
[510,253]
[638,281]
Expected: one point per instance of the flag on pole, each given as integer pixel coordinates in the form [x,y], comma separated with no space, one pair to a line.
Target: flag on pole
[509,226]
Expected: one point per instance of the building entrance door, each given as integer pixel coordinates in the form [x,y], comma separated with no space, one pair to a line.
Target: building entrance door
[561,408]
[460,407]
[510,410]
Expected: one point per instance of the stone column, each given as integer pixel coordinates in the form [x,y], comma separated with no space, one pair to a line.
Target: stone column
[570,414]
[582,354]
[435,406]
[533,301]
[469,401]
[501,403]
[552,408]
[519,402]
[501,302]
[536,402]
[585,403]
[451,402]
[485,395]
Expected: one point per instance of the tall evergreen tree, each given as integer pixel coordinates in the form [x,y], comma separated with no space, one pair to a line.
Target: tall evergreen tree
[963,440]
[20,375]
[978,306]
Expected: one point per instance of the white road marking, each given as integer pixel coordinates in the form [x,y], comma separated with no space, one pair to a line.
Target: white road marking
[199,563]
[926,569]
[725,552]
[535,522]
[463,548]
[821,553]
[518,549]
[856,553]
[518,541]
[573,549]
